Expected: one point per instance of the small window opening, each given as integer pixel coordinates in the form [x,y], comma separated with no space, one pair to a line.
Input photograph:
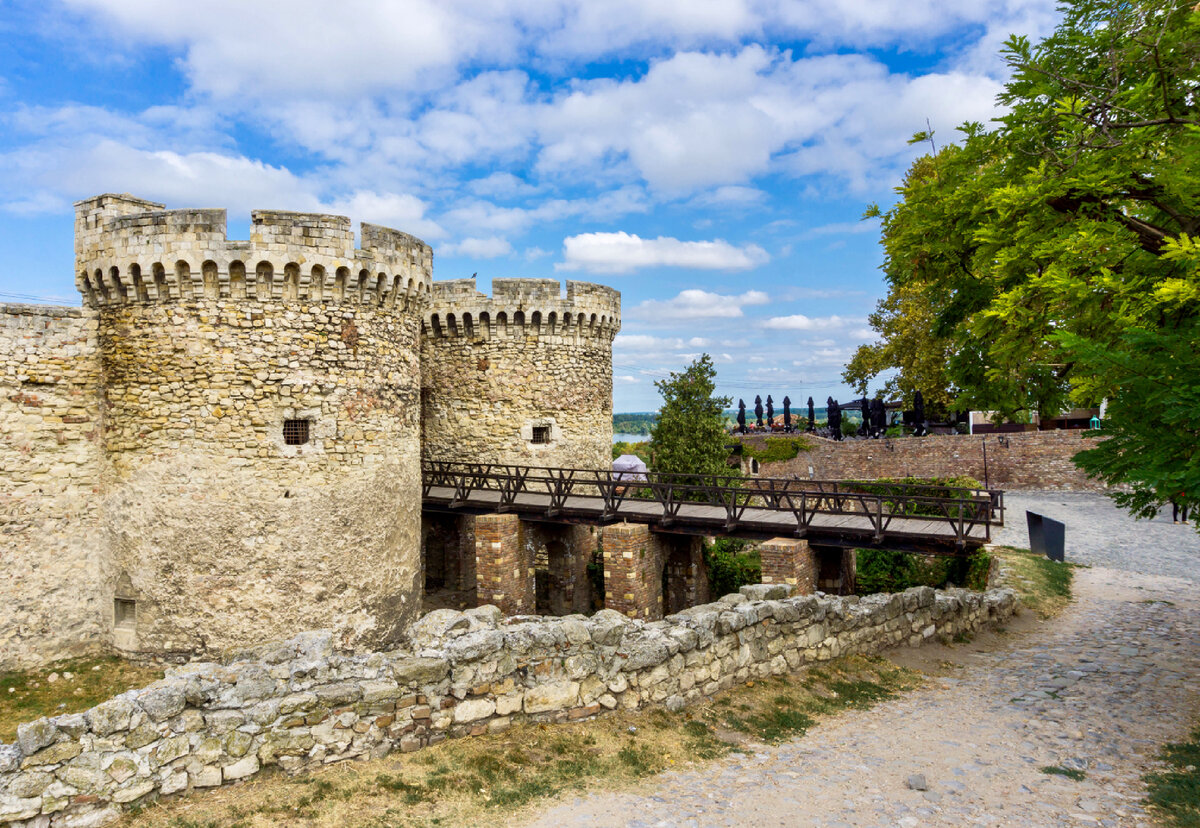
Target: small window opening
[295,432]
[541,434]
[124,612]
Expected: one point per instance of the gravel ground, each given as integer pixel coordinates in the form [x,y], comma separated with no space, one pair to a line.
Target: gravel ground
[1098,533]
[1099,690]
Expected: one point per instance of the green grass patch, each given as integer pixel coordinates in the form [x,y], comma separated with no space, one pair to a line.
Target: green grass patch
[78,684]
[1059,770]
[1175,793]
[1043,585]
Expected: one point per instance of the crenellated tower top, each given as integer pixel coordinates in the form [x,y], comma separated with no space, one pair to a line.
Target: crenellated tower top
[129,250]
[529,306]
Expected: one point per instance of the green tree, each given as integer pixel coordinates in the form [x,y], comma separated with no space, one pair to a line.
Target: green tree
[689,437]
[1056,249]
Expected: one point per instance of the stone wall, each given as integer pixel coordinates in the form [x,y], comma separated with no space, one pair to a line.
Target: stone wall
[50,604]
[1026,460]
[298,705]
[523,376]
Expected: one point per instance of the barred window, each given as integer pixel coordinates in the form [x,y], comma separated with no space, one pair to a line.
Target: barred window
[541,434]
[295,432]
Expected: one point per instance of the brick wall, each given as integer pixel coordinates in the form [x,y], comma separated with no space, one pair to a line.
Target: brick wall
[789,561]
[503,565]
[632,570]
[1026,460]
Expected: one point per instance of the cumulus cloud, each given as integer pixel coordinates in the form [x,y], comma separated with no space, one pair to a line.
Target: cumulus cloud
[626,252]
[800,322]
[697,304]
[472,248]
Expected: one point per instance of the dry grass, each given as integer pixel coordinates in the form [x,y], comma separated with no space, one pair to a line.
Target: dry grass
[78,684]
[485,780]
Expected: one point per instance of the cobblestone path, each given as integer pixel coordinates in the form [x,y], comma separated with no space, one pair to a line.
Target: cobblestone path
[1098,690]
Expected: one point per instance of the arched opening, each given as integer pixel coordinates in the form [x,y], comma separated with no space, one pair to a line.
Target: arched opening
[291,281]
[100,286]
[485,325]
[340,282]
[264,279]
[237,280]
[316,284]
[118,289]
[502,324]
[468,327]
[161,286]
[183,279]
[212,284]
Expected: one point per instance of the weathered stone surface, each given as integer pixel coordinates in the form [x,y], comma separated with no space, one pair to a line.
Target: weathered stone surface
[766,592]
[554,696]
[162,703]
[34,736]
[110,717]
[471,709]
[420,671]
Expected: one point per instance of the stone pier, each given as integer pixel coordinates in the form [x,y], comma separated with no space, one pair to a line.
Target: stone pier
[503,566]
[632,570]
[789,561]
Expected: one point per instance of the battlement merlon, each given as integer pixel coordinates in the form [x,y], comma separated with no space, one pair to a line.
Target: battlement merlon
[586,308]
[120,239]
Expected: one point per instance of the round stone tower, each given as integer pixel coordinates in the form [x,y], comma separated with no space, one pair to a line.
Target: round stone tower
[260,404]
[522,377]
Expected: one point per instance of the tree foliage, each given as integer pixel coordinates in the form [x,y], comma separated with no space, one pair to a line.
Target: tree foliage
[1051,252]
[689,437]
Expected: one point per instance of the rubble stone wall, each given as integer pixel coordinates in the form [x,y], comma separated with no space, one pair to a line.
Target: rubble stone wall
[1021,460]
[298,705]
[50,423]
[523,376]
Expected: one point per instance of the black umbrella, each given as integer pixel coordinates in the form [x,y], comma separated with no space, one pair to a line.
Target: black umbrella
[770,412]
[787,414]
[742,416]
[758,410]
[878,418]
[865,406]
[835,418]
[919,414]
[812,416]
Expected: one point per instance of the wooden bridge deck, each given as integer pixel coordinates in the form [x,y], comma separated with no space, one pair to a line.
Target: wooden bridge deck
[844,529]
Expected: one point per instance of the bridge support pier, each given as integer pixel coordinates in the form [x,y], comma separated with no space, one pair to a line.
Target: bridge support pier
[632,570]
[789,561]
[503,565]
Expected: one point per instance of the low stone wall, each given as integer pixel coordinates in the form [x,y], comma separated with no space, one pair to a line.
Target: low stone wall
[1022,460]
[299,705]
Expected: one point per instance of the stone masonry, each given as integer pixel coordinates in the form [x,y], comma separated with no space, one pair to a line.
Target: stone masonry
[299,704]
[1022,460]
[523,376]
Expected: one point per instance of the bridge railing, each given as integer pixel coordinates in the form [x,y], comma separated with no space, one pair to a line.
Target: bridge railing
[962,508]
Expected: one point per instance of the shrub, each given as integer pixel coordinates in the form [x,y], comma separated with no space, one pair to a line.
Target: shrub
[888,570]
[730,566]
[776,449]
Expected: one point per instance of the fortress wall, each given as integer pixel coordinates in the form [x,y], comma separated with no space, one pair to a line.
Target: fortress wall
[496,368]
[49,476]
[297,705]
[1030,460]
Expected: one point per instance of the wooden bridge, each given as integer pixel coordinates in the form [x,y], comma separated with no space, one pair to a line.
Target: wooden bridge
[931,519]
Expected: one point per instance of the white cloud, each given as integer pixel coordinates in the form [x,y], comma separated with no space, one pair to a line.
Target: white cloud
[472,248]
[696,304]
[626,252]
[800,322]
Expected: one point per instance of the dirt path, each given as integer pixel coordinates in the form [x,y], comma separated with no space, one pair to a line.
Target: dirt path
[1097,690]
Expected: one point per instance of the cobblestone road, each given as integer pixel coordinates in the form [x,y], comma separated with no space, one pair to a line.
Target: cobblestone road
[1097,690]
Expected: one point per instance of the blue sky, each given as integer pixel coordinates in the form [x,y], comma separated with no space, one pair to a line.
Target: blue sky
[708,158]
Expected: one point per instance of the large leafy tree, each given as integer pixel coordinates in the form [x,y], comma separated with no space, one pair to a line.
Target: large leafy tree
[1058,249]
[689,437]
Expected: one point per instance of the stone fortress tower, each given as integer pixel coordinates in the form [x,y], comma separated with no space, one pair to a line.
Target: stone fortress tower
[260,424]
[223,445]
[521,377]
